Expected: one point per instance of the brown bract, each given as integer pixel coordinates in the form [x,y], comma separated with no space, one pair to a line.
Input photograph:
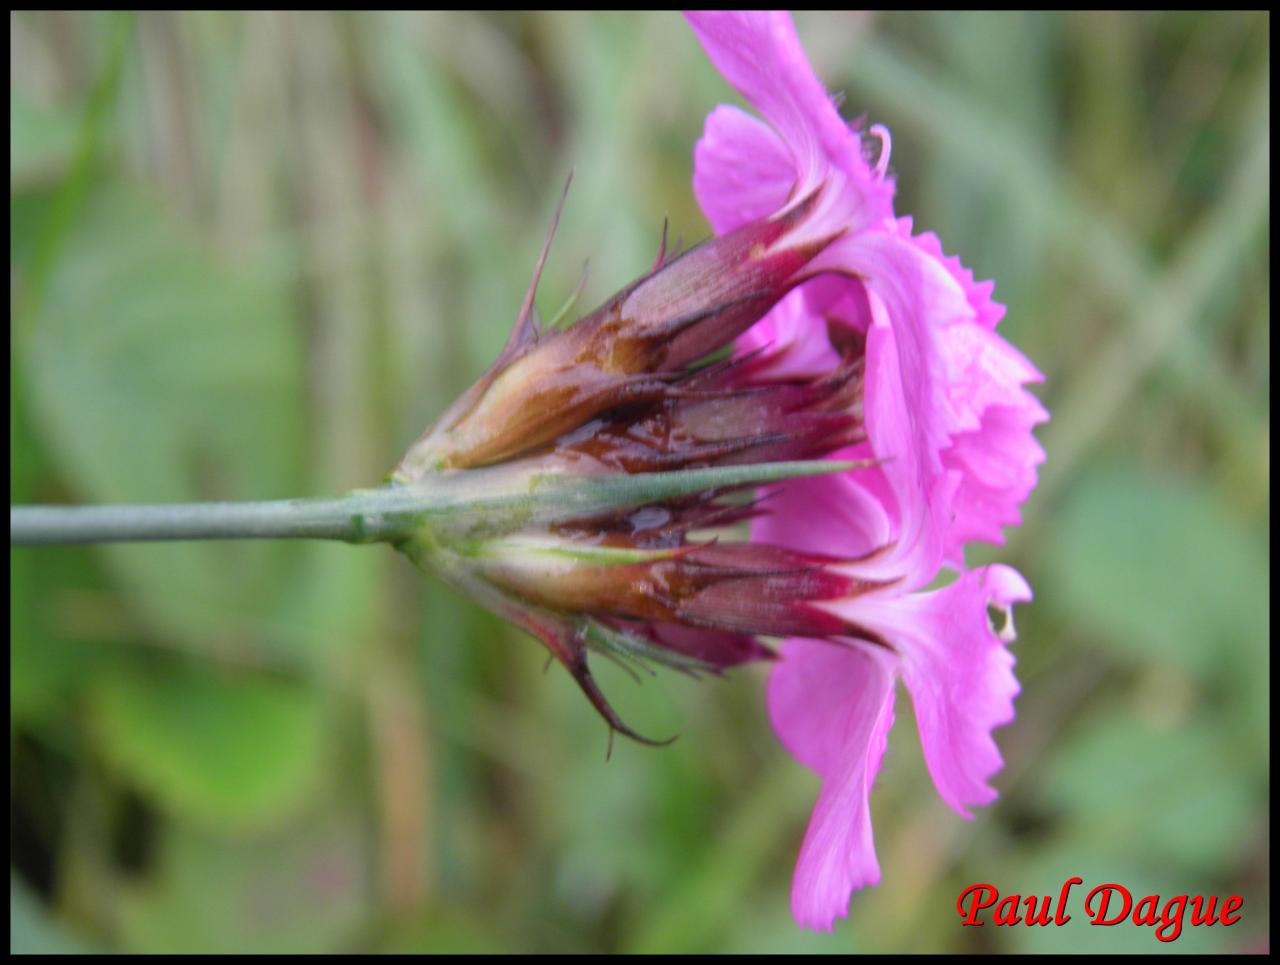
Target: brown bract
[629,390]
[629,350]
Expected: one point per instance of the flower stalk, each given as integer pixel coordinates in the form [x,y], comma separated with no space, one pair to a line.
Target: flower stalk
[463,502]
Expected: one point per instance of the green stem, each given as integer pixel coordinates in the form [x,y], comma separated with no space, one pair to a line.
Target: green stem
[355,518]
[492,501]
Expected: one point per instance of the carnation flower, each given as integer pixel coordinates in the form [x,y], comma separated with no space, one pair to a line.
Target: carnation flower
[818,347]
[948,455]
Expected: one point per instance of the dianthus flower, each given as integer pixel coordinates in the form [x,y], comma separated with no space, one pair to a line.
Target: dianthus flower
[813,345]
[947,458]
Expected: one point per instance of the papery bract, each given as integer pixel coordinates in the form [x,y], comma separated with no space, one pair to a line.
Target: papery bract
[630,401]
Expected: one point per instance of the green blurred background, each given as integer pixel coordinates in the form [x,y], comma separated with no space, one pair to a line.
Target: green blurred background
[253,255]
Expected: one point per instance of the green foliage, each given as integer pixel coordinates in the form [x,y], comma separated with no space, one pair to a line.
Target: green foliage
[299,891]
[253,255]
[222,751]
[1160,572]
[159,374]
[31,931]
[1202,782]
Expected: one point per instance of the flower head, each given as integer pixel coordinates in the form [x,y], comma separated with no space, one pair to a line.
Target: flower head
[816,345]
[948,455]
[606,445]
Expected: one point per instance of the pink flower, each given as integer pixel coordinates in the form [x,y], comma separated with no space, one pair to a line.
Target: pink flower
[946,417]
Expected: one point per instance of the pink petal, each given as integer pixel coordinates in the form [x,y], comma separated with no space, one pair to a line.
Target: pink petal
[760,55]
[914,300]
[836,515]
[918,297]
[983,370]
[741,170]
[997,465]
[840,299]
[958,671]
[989,413]
[987,312]
[915,488]
[832,707]
[793,339]
[902,504]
